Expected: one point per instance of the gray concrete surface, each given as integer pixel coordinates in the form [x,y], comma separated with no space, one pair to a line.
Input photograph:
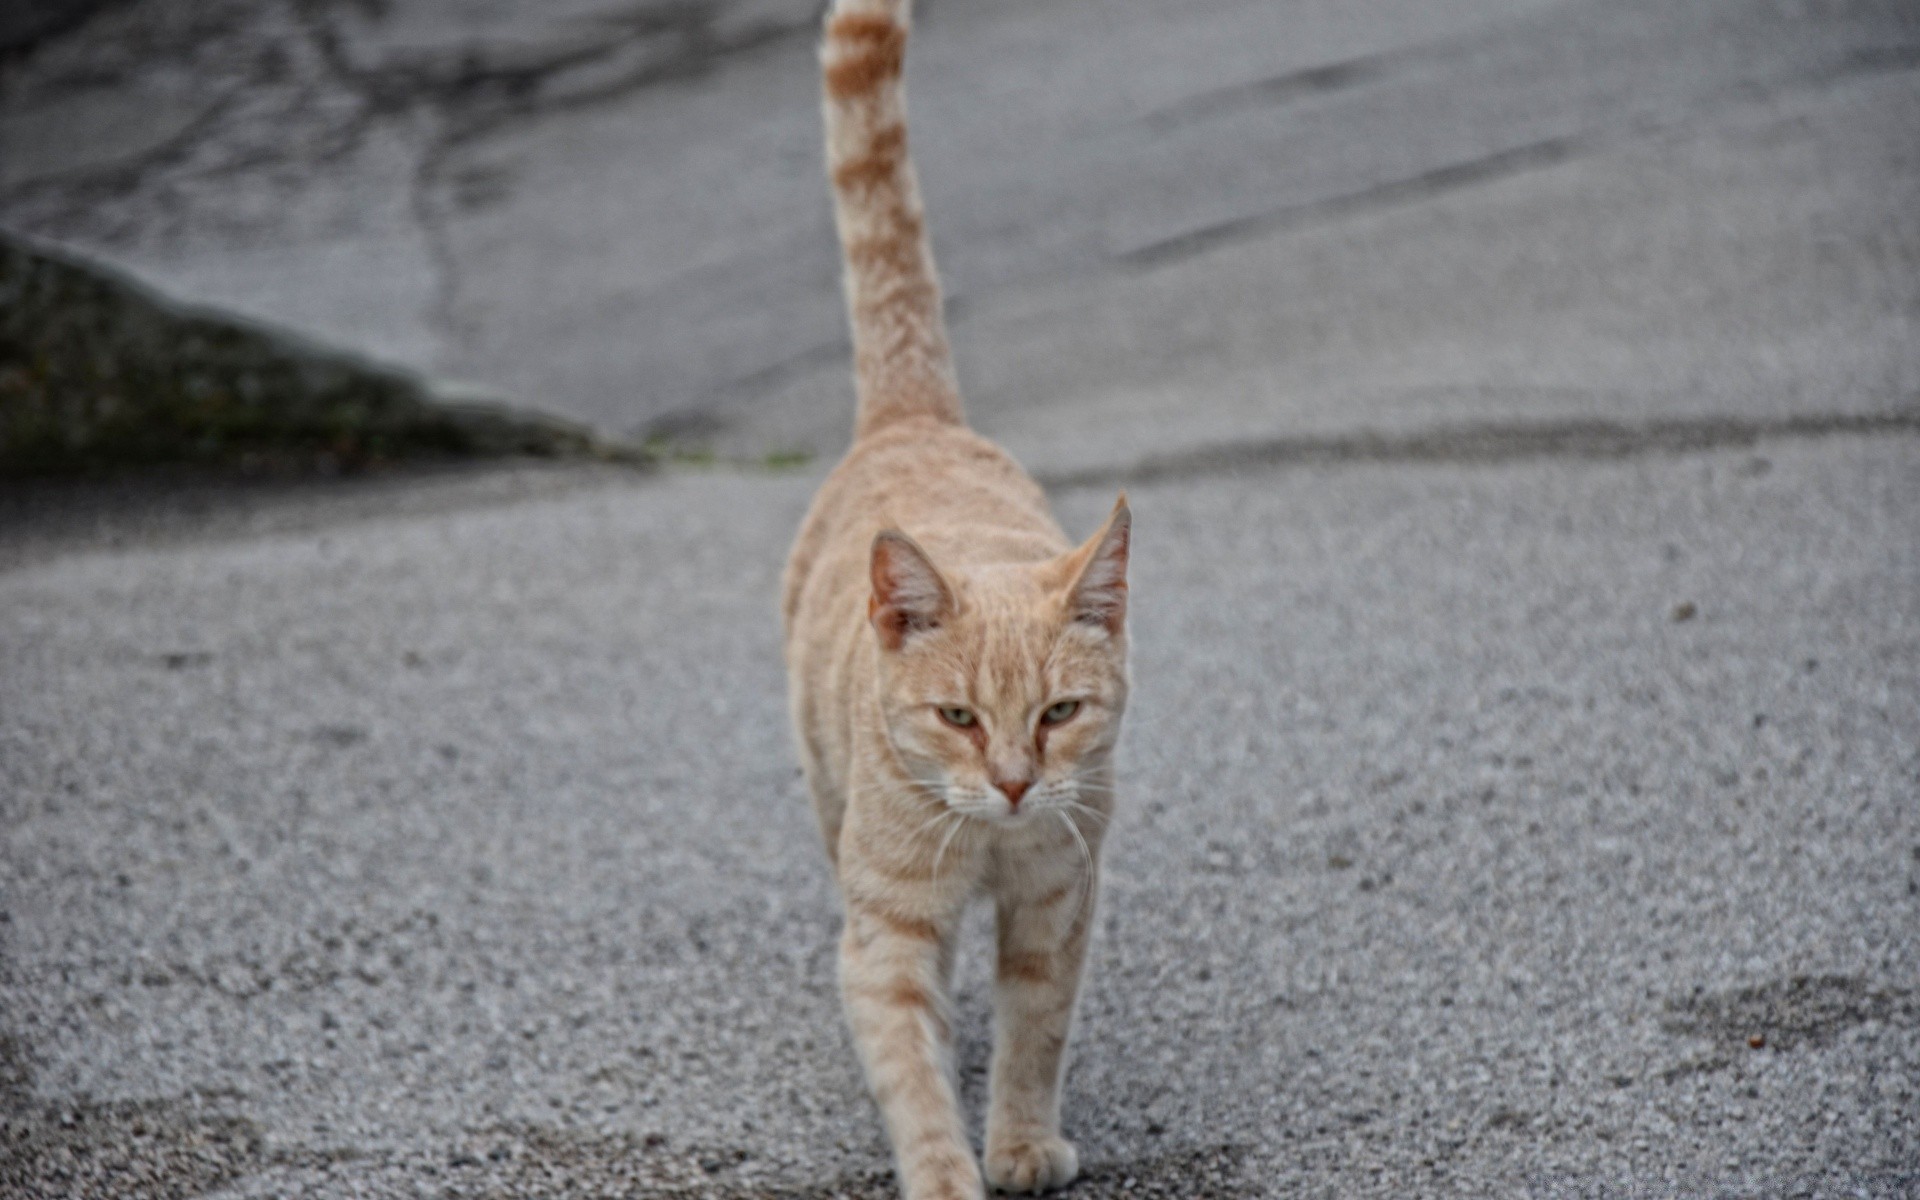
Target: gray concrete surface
[1521,409]
[615,212]
[462,850]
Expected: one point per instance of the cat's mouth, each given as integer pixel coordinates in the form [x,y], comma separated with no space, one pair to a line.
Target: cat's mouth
[1012,818]
[1043,805]
[983,805]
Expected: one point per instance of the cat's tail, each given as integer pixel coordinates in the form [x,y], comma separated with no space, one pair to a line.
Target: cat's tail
[902,364]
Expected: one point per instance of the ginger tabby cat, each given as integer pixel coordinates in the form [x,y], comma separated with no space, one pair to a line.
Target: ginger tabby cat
[957,673]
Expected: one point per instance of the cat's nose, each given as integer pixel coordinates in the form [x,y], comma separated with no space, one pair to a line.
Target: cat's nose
[1013,789]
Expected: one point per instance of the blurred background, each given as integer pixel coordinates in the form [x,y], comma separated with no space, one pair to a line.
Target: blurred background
[1520,405]
[1311,215]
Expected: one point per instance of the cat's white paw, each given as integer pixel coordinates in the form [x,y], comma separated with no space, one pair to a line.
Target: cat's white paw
[951,1175]
[1032,1166]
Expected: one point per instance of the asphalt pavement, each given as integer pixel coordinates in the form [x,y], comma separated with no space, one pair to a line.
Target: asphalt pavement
[1520,407]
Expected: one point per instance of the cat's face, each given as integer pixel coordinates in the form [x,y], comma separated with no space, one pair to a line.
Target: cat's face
[1002,688]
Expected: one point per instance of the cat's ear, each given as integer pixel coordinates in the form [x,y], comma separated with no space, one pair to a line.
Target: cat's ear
[909,596]
[1098,595]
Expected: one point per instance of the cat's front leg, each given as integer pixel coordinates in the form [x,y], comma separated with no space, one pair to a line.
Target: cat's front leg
[1042,946]
[893,979]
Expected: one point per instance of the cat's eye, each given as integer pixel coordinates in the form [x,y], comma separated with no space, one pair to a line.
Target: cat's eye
[959,718]
[1060,712]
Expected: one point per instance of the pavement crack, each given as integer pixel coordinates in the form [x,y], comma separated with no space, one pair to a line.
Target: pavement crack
[1273,90]
[386,95]
[86,187]
[1448,178]
[1322,79]
[1491,443]
[1489,168]
[1879,60]
[465,97]
[697,48]
[443,305]
[37,24]
[477,96]
[714,409]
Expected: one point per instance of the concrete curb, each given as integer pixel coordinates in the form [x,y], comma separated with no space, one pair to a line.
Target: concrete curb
[99,372]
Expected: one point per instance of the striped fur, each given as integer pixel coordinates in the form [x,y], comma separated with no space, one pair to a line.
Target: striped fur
[902,364]
[929,576]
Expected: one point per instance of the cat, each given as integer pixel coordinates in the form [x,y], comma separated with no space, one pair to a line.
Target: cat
[957,674]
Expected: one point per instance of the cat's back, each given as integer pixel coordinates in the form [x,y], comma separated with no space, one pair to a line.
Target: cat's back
[960,495]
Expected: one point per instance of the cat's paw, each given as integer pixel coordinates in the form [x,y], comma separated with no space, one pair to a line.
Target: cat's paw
[948,1189]
[945,1176]
[1033,1165]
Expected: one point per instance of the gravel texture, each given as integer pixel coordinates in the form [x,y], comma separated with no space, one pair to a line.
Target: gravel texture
[1539,827]
[1518,402]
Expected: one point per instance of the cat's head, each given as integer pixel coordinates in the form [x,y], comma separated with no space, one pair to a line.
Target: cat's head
[1002,687]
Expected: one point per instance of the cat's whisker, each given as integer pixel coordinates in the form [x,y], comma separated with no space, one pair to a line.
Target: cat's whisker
[1086,859]
[943,809]
[939,793]
[1105,795]
[1076,806]
[941,853]
[930,824]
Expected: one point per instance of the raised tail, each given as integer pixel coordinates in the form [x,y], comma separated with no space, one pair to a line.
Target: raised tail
[902,364]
